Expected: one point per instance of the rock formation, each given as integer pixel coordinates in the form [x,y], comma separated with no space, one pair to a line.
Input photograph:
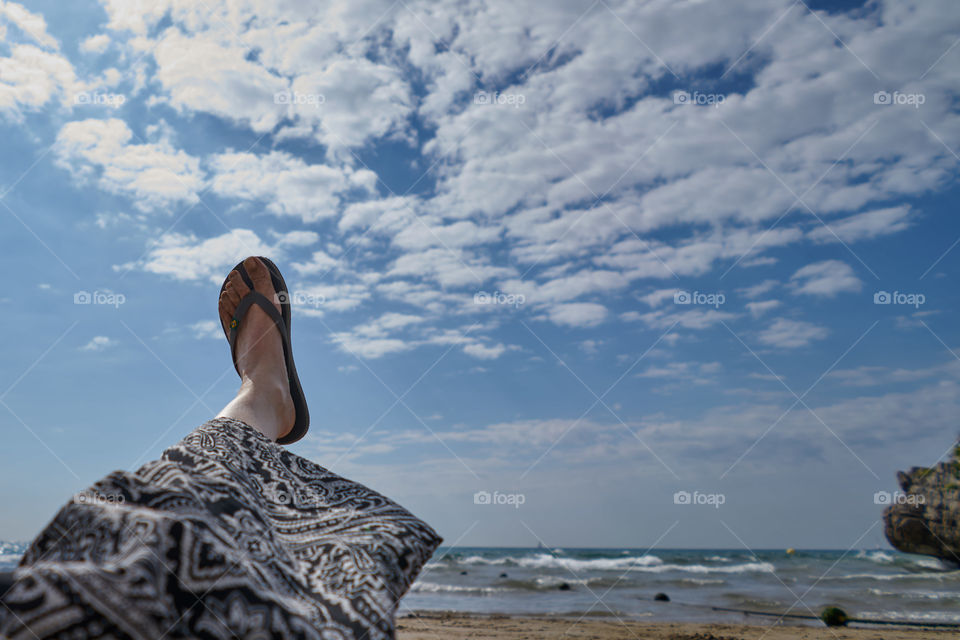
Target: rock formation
[925,518]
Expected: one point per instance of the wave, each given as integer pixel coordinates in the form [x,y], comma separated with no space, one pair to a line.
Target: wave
[943,575]
[875,556]
[10,559]
[917,595]
[433,587]
[647,564]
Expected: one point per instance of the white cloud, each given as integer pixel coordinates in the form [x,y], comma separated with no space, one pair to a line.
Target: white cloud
[289,185]
[206,329]
[865,226]
[98,343]
[826,278]
[578,314]
[31,77]
[95,44]
[757,290]
[320,262]
[695,372]
[757,309]
[153,175]
[30,24]
[658,297]
[696,319]
[297,238]
[185,257]
[202,73]
[483,351]
[791,334]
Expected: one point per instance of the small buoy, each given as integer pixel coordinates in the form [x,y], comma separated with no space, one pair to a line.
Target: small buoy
[503,575]
[463,573]
[834,617]
[662,597]
[564,586]
[791,551]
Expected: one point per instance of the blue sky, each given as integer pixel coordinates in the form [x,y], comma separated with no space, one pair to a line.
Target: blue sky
[593,254]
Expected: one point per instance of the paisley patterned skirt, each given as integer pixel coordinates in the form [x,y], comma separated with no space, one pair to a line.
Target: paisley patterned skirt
[228,535]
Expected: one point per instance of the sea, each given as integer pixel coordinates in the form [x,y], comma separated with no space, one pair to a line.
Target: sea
[702,585]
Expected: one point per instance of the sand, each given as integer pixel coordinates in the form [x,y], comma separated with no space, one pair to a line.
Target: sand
[456,626]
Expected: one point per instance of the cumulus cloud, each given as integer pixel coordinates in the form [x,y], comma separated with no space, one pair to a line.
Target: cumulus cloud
[594,184]
[865,226]
[287,184]
[95,44]
[826,278]
[186,257]
[791,334]
[98,343]
[31,77]
[578,314]
[152,175]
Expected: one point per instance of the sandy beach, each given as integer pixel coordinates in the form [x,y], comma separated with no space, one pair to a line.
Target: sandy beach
[456,626]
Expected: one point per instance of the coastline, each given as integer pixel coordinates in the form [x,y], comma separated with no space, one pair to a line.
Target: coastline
[452,625]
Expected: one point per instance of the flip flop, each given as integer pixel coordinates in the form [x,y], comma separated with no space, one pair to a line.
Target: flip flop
[282,320]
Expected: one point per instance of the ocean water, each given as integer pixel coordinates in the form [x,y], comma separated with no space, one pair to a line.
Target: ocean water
[622,583]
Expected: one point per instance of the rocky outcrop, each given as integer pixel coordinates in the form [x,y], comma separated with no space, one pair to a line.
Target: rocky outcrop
[925,517]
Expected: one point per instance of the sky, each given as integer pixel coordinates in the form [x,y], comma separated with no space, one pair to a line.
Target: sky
[575,257]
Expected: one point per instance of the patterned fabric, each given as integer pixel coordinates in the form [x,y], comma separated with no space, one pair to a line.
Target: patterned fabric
[228,535]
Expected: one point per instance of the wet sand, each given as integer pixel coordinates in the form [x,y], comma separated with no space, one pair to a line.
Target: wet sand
[456,626]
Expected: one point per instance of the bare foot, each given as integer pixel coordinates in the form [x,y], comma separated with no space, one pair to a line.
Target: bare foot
[259,349]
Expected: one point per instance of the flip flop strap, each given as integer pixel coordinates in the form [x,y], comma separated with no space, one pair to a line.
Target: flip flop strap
[262,301]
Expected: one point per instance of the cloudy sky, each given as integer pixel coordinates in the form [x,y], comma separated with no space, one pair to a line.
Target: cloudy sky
[593,253]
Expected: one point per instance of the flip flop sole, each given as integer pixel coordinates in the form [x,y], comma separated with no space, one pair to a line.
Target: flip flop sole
[302,422]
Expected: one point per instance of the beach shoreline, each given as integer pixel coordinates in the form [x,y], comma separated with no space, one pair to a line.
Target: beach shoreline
[453,625]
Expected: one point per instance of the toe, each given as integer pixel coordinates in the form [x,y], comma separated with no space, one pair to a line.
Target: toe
[260,276]
[238,286]
[233,296]
[226,308]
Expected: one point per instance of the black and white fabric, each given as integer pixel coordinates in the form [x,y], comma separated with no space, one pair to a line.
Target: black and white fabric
[228,535]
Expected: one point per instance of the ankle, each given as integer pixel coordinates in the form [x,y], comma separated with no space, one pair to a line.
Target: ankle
[270,398]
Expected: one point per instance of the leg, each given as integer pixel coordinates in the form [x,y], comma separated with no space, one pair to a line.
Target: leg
[263,401]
